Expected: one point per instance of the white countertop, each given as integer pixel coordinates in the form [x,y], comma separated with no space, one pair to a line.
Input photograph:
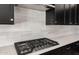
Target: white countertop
[63,36]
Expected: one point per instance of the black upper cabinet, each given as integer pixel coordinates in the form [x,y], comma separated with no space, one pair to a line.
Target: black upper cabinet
[6,14]
[63,14]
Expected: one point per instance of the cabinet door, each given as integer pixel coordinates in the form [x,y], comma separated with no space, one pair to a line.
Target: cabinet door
[6,14]
[67,14]
[50,16]
[73,14]
[77,14]
[59,13]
